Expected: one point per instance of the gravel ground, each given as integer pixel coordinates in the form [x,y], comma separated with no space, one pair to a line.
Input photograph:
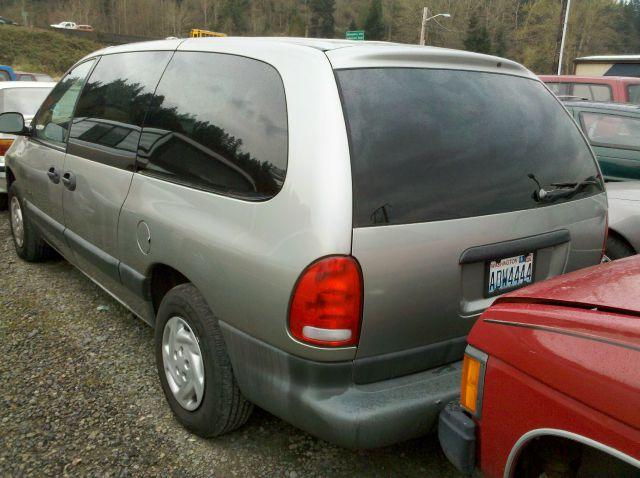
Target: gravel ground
[79,396]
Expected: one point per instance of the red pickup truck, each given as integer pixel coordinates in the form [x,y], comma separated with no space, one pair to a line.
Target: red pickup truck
[619,89]
[551,380]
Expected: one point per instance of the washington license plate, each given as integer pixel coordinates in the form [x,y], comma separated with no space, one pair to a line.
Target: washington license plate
[508,274]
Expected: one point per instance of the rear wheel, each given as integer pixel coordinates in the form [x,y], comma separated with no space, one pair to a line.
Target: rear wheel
[28,243]
[617,248]
[193,365]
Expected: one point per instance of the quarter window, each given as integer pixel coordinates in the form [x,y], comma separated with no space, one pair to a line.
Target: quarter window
[111,110]
[634,93]
[53,120]
[612,130]
[218,123]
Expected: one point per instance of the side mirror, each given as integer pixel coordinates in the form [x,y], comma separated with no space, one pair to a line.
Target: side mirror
[12,123]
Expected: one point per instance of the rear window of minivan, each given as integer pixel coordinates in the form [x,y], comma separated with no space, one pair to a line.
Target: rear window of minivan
[432,144]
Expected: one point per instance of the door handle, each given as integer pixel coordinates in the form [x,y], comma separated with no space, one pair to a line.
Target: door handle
[69,181]
[54,175]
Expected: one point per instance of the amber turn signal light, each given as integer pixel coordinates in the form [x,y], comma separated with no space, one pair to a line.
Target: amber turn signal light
[472,380]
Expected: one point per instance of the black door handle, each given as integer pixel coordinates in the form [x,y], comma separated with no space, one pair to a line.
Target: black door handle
[54,175]
[69,181]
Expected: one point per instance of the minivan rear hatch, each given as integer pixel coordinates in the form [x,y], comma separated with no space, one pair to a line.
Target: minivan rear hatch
[466,184]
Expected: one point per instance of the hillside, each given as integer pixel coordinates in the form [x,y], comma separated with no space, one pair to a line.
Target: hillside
[31,49]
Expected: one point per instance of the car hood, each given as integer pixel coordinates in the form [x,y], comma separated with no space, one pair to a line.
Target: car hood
[625,190]
[612,286]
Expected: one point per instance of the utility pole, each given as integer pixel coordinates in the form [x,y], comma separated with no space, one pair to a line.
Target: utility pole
[562,34]
[423,29]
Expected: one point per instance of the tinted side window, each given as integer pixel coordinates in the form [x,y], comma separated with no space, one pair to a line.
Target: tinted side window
[53,120]
[431,145]
[592,92]
[219,123]
[634,93]
[4,76]
[612,130]
[107,122]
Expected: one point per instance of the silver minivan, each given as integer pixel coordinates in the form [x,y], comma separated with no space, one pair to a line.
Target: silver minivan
[311,226]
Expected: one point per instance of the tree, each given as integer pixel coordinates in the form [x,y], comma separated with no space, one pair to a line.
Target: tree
[477,38]
[322,21]
[501,43]
[352,25]
[374,25]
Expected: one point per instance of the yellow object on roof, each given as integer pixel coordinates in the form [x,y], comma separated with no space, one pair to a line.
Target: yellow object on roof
[198,33]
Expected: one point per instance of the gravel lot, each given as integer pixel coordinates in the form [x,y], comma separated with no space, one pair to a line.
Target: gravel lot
[80,397]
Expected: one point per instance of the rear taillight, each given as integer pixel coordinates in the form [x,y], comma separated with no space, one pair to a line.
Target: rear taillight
[5,144]
[326,305]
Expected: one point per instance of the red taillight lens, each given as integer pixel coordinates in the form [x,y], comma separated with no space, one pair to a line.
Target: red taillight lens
[327,303]
[5,144]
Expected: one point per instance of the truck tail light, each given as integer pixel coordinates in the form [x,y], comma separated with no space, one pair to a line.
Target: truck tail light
[326,304]
[5,144]
[472,386]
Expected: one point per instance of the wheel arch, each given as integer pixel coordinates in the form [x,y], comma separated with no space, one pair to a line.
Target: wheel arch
[162,278]
[11,177]
[522,443]
[614,232]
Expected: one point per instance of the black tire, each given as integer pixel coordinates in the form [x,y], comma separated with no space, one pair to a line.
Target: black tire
[33,248]
[617,248]
[3,201]
[223,408]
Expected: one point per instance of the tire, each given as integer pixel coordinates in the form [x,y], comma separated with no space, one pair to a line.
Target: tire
[32,247]
[617,248]
[222,408]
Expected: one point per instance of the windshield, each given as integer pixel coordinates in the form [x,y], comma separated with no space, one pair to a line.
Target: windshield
[430,144]
[22,100]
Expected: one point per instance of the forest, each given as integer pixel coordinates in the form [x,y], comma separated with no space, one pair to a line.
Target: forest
[523,30]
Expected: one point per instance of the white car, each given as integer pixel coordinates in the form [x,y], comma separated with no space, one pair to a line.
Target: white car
[624,219]
[23,97]
[65,25]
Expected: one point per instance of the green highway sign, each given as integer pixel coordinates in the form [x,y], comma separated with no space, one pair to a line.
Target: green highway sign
[355,35]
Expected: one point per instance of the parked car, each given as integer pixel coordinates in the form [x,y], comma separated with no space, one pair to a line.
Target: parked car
[25,76]
[293,246]
[85,28]
[619,89]
[624,219]
[614,133]
[550,381]
[65,25]
[7,73]
[25,98]
[7,21]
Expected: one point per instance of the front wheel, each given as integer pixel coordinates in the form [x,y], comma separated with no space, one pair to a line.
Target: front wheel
[617,248]
[28,243]
[193,365]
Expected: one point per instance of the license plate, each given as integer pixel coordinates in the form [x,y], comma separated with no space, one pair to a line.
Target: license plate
[508,274]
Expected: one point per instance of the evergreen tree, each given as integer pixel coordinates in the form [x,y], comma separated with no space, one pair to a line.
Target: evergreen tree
[322,20]
[352,25]
[374,25]
[477,38]
[501,43]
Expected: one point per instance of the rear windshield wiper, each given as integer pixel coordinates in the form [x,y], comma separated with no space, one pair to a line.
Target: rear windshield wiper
[562,190]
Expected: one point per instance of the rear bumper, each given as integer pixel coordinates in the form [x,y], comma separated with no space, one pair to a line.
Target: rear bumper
[457,435]
[322,398]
